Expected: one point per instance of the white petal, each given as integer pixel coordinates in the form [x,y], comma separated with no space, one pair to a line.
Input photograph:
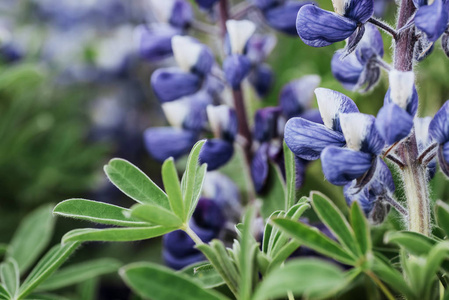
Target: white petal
[355,129]
[422,129]
[401,85]
[218,117]
[328,105]
[176,111]
[186,51]
[239,33]
[162,9]
[340,6]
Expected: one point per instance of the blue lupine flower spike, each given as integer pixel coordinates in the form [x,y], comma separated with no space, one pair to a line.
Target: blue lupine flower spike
[439,131]
[318,27]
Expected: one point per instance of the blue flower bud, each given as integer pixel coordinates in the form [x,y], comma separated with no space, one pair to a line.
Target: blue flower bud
[223,122]
[206,4]
[172,83]
[154,43]
[266,124]
[393,123]
[438,127]
[261,78]
[236,67]
[260,167]
[266,4]
[307,139]
[216,153]
[259,47]
[164,142]
[191,55]
[296,96]
[342,165]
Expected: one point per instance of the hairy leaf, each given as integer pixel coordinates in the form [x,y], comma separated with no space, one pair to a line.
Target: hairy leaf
[173,188]
[290,175]
[361,228]
[9,275]
[155,215]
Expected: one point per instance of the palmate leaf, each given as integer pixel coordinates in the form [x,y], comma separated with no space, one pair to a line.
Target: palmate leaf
[335,221]
[134,183]
[413,242]
[361,228]
[79,273]
[115,234]
[31,238]
[246,257]
[204,274]
[160,283]
[97,212]
[320,278]
[46,266]
[393,277]
[173,187]
[314,239]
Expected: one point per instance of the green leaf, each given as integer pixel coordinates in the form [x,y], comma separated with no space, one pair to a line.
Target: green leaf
[413,242]
[9,275]
[435,258]
[199,180]
[79,273]
[320,278]
[361,228]
[204,274]
[442,215]
[283,254]
[115,234]
[274,196]
[334,220]
[4,294]
[267,232]
[313,238]
[46,266]
[3,249]
[160,283]
[246,255]
[97,212]
[190,177]
[290,175]
[32,237]
[155,215]
[391,276]
[134,183]
[172,187]
[88,289]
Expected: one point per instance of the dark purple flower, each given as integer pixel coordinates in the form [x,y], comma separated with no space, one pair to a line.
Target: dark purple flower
[318,27]
[261,78]
[439,131]
[432,19]
[216,153]
[296,96]
[154,43]
[283,17]
[173,83]
[206,4]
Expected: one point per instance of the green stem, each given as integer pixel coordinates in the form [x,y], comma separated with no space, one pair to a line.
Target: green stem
[380,284]
[193,235]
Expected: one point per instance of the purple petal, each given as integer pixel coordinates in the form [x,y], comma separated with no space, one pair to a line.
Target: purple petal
[171,83]
[266,4]
[206,4]
[259,47]
[182,14]
[261,79]
[259,167]
[283,17]
[165,142]
[178,263]
[265,123]
[296,96]
[382,182]
[362,197]
[236,67]
[208,215]
[300,169]
[443,158]
[342,165]
[445,43]
[307,139]
[360,10]
[370,45]
[331,104]
[317,27]
[439,126]
[223,121]
[312,115]
[432,19]
[155,43]
[215,153]
[393,123]
[347,71]
[419,3]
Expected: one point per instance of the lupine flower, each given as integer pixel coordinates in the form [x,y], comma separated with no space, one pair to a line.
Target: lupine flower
[371,197]
[318,27]
[342,165]
[395,119]
[432,19]
[306,138]
[188,118]
[9,51]
[257,50]
[207,222]
[359,70]
[218,151]
[194,60]
[154,41]
[294,100]
[439,131]
[281,14]
[237,65]
[423,140]
[177,13]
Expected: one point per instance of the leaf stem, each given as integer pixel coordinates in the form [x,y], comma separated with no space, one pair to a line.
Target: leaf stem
[193,235]
[396,205]
[384,26]
[428,151]
[380,285]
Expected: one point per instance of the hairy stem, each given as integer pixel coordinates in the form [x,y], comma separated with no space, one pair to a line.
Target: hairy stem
[193,235]
[405,43]
[384,26]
